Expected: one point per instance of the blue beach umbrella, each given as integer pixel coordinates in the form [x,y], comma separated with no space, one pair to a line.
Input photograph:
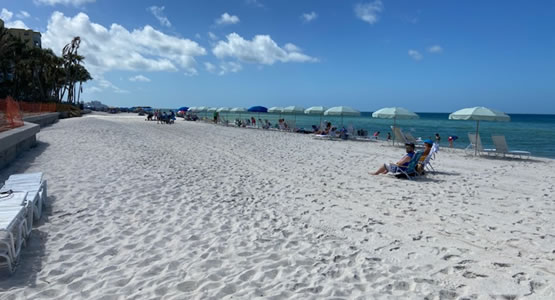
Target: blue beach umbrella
[258,109]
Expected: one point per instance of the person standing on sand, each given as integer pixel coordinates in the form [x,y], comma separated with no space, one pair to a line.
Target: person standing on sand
[438,138]
[402,164]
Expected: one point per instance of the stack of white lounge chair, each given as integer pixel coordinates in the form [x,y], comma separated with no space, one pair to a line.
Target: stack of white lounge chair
[22,199]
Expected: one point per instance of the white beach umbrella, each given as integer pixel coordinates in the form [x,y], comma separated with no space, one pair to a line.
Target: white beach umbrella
[479,113]
[275,109]
[293,110]
[192,109]
[211,109]
[238,110]
[223,109]
[395,113]
[342,111]
[316,110]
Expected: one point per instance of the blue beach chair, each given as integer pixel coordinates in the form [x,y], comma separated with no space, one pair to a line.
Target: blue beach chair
[410,171]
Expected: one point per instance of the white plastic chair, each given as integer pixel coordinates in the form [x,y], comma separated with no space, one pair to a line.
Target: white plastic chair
[13,227]
[501,147]
[476,141]
[34,185]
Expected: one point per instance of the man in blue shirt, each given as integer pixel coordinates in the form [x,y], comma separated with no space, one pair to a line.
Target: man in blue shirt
[401,164]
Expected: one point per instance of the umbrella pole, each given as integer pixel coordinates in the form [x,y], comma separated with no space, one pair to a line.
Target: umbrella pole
[476,138]
[394,126]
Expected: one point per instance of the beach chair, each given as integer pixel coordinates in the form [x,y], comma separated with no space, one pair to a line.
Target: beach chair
[410,171]
[34,185]
[398,135]
[13,227]
[476,142]
[292,126]
[432,156]
[502,148]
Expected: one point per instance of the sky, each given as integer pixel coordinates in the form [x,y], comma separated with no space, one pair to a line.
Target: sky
[426,56]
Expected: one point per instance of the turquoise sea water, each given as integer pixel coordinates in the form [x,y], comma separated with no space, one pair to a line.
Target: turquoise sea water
[534,133]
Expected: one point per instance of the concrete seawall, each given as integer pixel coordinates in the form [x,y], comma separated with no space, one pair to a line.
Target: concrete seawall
[17,140]
[43,119]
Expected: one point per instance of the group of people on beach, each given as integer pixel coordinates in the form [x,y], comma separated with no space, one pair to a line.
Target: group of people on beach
[161,117]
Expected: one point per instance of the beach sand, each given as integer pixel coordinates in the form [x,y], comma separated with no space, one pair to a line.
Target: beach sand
[139,210]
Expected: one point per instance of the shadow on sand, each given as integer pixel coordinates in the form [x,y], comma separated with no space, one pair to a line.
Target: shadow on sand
[23,161]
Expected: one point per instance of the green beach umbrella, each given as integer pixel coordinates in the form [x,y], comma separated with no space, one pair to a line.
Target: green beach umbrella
[293,110]
[342,111]
[479,113]
[316,110]
[394,113]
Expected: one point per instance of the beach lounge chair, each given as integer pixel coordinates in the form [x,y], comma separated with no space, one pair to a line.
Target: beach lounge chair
[34,185]
[13,227]
[291,126]
[476,142]
[399,136]
[410,171]
[431,156]
[502,148]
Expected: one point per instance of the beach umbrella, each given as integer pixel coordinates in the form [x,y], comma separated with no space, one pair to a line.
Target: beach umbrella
[293,110]
[275,110]
[316,110]
[211,109]
[479,113]
[258,110]
[342,111]
[395,113]
[238,110]
[223,109]
[183,108]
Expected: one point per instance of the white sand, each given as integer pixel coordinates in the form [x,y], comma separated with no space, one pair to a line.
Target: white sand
[197,211]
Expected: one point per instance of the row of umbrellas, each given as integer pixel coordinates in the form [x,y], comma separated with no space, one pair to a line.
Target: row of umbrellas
[477,114]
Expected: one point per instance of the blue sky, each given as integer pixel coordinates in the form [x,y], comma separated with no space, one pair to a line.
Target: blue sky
[435,56]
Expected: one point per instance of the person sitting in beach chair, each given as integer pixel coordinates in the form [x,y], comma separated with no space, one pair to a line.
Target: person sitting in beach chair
[427,151]
[402,164]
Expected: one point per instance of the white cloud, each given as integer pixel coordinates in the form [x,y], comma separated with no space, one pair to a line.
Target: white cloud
[229,67]
[23,14]
[103,84]
[415,55]
[368,12]
[255,3]
[139,78]
[64,2]
[226,19]
[212,36]
[435,49]
[261,49]
[308,17]
[117,48]
[7,16]
[209,67]
[158,12]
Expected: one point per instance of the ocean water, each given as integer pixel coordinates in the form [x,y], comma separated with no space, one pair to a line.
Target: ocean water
[534,133]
